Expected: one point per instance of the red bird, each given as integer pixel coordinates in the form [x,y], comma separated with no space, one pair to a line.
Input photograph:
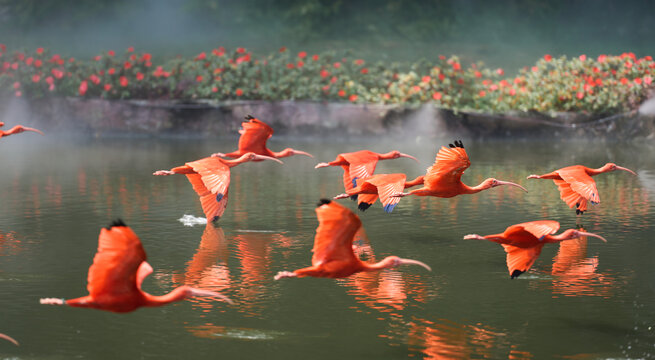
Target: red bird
[382,185]
[253,138]
[210,178]
[115,277]
[360,165]
[333,246]
[443,178]
[16,130]
[523,242]
[576,186]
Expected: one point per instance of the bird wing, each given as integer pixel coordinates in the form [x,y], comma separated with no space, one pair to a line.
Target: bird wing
[387,185]
[211,183]
[334,236]
[580,182]
[448,167]
[115,265]
[521,259]
[361,165]
[538,229]
[254,134]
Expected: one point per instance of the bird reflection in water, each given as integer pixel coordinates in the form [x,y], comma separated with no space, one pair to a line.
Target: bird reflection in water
[386,291]
[575,274]
[10,244]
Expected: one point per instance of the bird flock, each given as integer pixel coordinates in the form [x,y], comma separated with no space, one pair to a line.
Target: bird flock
[119,266]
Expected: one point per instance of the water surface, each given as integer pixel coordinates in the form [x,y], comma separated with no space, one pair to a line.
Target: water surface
[584,299]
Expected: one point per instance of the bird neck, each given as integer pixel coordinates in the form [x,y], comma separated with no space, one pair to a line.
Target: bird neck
[566,235]
[284,153]
[600,170]
[417,181]
[179,293]
[386,156]
[240,160]
[486,184]
[388,262]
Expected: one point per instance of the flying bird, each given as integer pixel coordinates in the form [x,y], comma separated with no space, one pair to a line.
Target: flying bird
[116,275]
[443,178]
[382,186]
[17,130]
[334,256]
[360,165]
[523,242]
[576,187]
[254,134]
[210,178]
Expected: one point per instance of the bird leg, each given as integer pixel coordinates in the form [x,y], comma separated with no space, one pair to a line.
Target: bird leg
[285,274]
[218,154]
[473,237]
[533,176]
[321,165]
[52,301]
[341,196]
[163,172]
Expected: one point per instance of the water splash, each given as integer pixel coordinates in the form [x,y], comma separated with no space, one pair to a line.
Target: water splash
[190,220]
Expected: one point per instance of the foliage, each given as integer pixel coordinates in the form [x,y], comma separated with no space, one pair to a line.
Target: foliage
[604,85]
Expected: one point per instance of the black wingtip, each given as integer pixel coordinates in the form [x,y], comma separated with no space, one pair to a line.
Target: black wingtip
[323,202]
[117,222]
[456,144]
[353,197]
[363,206]
[516,274]
[249,117]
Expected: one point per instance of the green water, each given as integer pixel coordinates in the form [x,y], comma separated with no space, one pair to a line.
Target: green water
[592,300]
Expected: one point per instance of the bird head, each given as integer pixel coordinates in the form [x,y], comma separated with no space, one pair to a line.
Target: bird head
[396,154]
[491,182]
[613,167]
[395,261]
[2,124]
[255,157]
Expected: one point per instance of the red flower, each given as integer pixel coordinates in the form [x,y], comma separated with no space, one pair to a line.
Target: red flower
[627,64]
[16,85]
[111,71]
[364,71]
[14,66]
[51,87]
[214,89]
[110,53]
[442,77]
[456,66]
[315,57]
[127,65]
[512,91]
[342,93]
[39,50]
[283,49]
[535,69]
[290,66]
[29,60]
[482,93]
[123,81]
[582,57]
[3,48]
[107,87]
[426,79]
[130,49]
[94,79]
[50,80]
[602,58]
[460,81]
[547,57]
[139,76]
[442,57]
[333,79]
[353,98]
[359,62]
[579,95]
[500,72]
[477,74]
[437,96]
[240,50]
[637,81]
[18,93]
[57,73]
[36,78]
[37,63]
[648,80]
[326,88]
[300,64]
[239,92]
[201,56]
[71,60]
[337,65]
[199,78]
[624,81]
[387,96]
[416,88]
[146,57]
[83,87]
[302,54]
[324,73]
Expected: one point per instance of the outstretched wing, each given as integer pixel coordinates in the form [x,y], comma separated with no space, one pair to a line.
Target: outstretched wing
[115,265]
[387,185]
[334,236]
[580,183]
[254,134]
[448,167]
[211,183]
[361,165]
[519,260]
[538,229]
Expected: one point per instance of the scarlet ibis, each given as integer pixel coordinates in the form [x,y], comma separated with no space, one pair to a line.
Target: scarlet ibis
[210,178]
[9,338]
[523,242]
[17,130]
[443,178]
[254,134]
[118,270]
[576,186]
[360,165]
[333,247]
[382,185]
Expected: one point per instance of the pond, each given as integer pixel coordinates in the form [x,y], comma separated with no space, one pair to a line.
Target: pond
[582,299]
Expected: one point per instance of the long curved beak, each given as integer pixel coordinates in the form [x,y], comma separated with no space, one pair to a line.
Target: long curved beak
[409,156]
[625,169]
[512,184]
[40,132]
[583,233]
[9,338]
[264,157]
[207,293]
[298,152]
[414,262]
